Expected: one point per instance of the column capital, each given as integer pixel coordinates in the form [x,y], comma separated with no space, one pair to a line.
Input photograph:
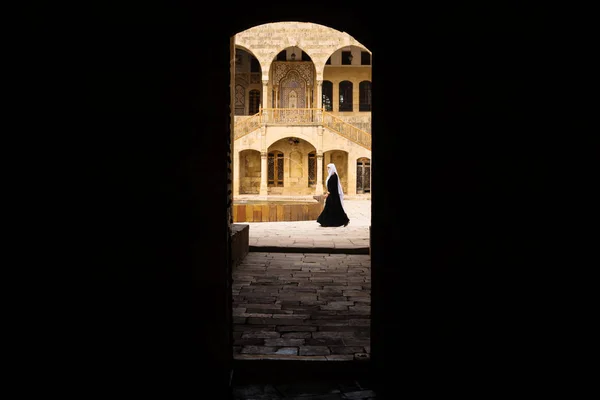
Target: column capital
[319,81]
[263,154]
[320,154]
[265,82]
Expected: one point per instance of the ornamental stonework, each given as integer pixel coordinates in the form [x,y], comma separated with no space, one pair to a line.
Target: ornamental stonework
[304,69]
[318,41]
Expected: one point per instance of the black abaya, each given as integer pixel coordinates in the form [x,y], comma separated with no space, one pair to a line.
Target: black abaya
[333,213]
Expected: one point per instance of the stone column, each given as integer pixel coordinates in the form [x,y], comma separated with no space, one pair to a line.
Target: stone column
[263,174]
[351,175]
[355,96]
[263,139]
[335,93]
[320,93]
[320,131]
[265,94]
[319,188]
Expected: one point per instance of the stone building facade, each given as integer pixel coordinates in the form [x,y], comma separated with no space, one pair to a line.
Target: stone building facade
[302,99]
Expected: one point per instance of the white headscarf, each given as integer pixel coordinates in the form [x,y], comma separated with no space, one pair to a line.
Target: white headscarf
[330,171]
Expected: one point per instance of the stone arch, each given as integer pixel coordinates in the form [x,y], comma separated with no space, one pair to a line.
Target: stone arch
[247,82]
[243,48]
[318,41]
[274,138]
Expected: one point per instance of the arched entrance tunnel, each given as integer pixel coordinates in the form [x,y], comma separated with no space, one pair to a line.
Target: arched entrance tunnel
[457,197]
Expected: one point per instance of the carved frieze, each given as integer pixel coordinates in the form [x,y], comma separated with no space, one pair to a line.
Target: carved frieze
[304,68]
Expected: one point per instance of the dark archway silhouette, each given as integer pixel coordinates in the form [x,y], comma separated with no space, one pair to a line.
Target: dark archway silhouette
[455,139]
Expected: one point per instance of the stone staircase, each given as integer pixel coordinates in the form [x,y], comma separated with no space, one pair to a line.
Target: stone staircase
[326,119]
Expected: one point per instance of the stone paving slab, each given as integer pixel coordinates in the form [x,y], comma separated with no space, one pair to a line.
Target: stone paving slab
[305,391]
[309,306]
[307,236]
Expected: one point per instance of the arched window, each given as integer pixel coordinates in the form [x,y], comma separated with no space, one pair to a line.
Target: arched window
[254,101]
[275,169]
[328,96]
[363,175]
[345,96]
[364,90]
[312,168]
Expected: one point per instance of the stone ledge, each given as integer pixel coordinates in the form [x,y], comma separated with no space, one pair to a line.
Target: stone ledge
[240,239]
[338,357]
[326,250]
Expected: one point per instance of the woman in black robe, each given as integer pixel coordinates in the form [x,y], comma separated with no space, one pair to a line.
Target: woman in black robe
[333,213]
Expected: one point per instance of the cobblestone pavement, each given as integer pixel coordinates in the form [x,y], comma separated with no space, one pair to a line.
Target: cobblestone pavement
[304,293]
[305,391]
[307,306]
[307,235]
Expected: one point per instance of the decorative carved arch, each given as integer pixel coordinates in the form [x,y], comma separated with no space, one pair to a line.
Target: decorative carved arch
[292,91]
[303,69]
